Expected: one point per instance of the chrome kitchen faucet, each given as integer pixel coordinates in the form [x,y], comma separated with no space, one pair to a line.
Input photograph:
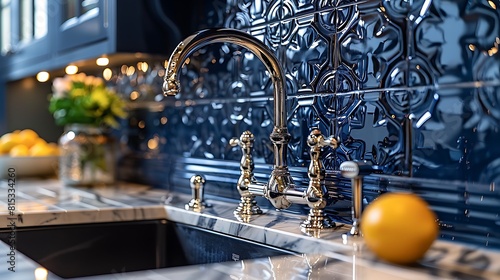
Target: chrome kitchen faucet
[280,189]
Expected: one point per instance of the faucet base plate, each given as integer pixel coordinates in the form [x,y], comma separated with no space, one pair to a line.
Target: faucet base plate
[317,220]
[247,207]
[196,205]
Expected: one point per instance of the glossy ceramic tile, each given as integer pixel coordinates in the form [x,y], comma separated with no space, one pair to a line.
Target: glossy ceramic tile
[370,48]
[458,39]
[456,131]
[409,86]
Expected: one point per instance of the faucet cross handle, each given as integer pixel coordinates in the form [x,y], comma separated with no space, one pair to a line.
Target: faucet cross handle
[316,141]
[248,206]
[317,194]
[245,141]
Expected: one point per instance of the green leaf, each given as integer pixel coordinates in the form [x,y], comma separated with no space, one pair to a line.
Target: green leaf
[87,102]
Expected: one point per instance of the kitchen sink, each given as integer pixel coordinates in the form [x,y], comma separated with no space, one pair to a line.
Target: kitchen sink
[105,248]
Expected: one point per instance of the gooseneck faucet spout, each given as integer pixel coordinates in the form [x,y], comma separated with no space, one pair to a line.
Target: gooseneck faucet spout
[203,38]
[280,179]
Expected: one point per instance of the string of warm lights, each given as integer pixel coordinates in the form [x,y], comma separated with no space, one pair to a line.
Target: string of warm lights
[107,73]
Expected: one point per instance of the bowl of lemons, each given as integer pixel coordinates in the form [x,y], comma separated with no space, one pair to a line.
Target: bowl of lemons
[25,154]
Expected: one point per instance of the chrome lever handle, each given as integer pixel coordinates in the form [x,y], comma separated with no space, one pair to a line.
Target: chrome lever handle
[316,141]
[245,141]
[248,206]
[316,193]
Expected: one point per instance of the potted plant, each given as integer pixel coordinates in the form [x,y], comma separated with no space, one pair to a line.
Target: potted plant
[87,109]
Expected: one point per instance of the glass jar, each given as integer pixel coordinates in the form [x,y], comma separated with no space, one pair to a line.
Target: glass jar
[87,156]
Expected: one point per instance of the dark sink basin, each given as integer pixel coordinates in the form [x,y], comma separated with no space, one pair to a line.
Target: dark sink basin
[95,249]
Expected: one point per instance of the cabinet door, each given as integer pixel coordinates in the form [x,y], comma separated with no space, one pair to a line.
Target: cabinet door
[81,22]
[24,30]
[5,29]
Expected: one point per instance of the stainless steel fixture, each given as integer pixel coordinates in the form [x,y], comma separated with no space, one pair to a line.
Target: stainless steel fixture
[247,206]
[315,196]
[197,203]
[356,170]
[280,177]
[280,189]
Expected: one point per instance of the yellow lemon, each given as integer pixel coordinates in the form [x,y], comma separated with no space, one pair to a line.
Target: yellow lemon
[40,149]
[19,150]
[7,141]
[54,149]
[399,227]
[40,141]
[28,137]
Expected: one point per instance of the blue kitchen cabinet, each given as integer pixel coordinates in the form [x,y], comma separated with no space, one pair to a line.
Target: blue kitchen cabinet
[36,34]
[24,33]
[66,31]
[81,23]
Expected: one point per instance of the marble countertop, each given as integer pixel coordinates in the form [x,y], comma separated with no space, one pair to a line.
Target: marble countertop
[47,202]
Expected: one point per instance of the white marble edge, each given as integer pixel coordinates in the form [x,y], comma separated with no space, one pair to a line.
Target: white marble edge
[47,202]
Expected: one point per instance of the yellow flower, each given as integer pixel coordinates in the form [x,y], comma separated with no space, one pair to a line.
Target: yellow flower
[85,99]
[117,108]
[110,121]
[77,92]
[99,97]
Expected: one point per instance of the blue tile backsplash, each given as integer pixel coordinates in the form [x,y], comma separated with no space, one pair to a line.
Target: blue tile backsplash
[410,86]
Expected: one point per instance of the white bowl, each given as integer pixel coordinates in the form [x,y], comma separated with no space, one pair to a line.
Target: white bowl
[28,166]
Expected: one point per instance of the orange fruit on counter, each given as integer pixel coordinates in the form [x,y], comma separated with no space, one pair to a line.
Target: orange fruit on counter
[8,141]
[54,149]
[19,150]
[39,141]
[28,137]
[41,149]
[399,227]
[26,142]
